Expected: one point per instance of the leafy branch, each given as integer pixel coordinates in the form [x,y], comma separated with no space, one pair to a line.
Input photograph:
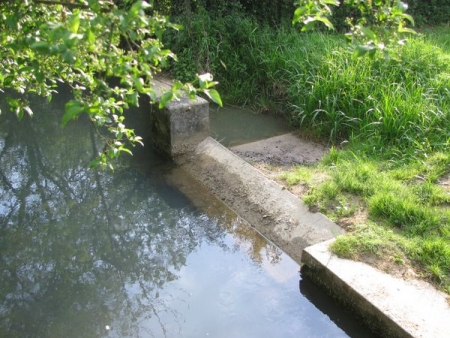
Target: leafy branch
[379,25]
[82,47]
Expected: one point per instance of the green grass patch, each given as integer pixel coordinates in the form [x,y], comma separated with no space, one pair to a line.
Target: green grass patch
[301,175]
[408,210]
[429,256]
[312,79]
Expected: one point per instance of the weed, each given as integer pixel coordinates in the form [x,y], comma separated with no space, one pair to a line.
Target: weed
[298,175]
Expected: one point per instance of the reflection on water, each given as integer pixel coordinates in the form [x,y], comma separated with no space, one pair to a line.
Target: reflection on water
[100,254]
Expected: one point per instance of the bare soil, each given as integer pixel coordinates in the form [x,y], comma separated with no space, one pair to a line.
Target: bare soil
[285,150]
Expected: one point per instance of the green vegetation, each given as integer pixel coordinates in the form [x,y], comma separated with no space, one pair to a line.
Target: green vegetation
[389,121]
[394,169]
[405,202]
[393,113]
[106,52]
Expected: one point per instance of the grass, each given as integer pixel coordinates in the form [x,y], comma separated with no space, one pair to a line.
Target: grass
[393,117]
[408,212]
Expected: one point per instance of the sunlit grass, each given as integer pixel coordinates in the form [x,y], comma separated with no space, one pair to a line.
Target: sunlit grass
[408,211]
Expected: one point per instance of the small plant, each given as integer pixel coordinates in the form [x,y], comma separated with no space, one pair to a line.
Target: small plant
[299,175]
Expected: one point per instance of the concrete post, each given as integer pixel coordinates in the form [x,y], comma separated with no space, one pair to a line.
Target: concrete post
[180,126]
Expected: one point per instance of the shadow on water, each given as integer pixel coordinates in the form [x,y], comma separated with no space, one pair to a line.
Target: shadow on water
[82,250]
[87,253]
[336,312]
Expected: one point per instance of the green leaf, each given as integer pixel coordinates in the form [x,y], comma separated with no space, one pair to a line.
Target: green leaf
[214,96]
[13,103]
[165,99]
[91,38]
[41,47]
[28,110]
[133,98]
[406,30]
[19,113]
[204,79]
[298,14]
[94,163]
[8,80]
[145,5]
[361,50]
[152,94]
[402,6]
[74,23]
[325,21]
[69,56]
[409,18]
[135,8]
[367,32]
[126,150]
[73,110]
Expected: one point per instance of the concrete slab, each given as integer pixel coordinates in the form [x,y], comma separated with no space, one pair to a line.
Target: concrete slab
[269,208]
[392,306]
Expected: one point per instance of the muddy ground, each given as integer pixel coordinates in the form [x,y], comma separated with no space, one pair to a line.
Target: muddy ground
[285,150]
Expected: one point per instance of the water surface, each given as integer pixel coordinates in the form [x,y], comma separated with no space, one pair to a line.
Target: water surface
[233,126]
[86,253]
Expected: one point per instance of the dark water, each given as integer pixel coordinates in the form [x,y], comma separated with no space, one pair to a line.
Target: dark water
[86,253]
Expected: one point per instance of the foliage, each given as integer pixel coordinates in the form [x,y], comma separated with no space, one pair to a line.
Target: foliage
[313,80]
[268,11]
[395,117]
[377,26]
[225,46]
[108,54]
[430,12]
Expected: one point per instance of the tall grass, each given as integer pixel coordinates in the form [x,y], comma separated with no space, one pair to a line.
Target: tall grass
[403,102]
[313,80]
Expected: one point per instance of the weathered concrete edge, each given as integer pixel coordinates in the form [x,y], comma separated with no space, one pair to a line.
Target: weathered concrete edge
[275,212]
[392,306]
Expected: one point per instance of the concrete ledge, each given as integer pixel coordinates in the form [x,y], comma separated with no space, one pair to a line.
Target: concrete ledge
[391,306]
[275,212]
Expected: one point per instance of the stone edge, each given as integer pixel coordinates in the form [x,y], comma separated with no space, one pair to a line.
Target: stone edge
[390,306]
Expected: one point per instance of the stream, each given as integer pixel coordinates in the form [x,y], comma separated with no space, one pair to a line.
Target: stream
[87,253]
